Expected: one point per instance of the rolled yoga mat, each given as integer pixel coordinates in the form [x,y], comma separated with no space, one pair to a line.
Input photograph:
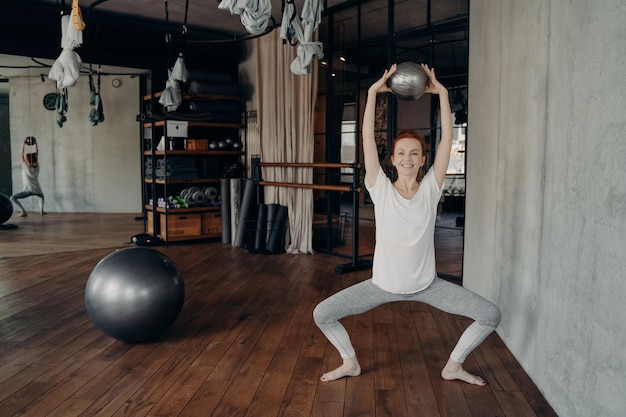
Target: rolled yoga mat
[235,203]
[276,231]
[225,209]
[247,205]
[260,235]
[272,211]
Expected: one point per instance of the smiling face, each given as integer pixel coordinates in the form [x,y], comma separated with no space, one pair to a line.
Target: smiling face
[408,156]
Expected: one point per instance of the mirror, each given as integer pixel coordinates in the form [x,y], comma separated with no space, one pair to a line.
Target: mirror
[89,160]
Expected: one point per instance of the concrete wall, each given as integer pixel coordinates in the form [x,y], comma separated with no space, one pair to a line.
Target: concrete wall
[546,202]
[84,168]
[5,144]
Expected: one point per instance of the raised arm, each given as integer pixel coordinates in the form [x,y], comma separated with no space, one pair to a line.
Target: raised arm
[370,151]
[22,155]
[442,156]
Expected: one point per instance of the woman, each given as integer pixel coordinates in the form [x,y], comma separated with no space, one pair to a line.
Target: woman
[404,257]
[30,174]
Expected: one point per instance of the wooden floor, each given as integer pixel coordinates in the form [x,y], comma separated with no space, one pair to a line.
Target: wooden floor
[244,344]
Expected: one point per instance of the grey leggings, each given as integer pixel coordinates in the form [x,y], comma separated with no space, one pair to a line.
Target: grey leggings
[441,294]
[25,194]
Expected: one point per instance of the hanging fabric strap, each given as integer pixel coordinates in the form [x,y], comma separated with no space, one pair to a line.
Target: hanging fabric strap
[179,72]
[96,115]
[168,35]
[61,6]
[171,97]
[185,21]
[77,16]
[92,88]
[288,34]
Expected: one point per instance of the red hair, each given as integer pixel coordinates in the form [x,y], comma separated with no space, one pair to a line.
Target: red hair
[404,134]
[408,134]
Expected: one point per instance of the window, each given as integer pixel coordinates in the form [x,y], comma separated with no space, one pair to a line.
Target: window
[348,140]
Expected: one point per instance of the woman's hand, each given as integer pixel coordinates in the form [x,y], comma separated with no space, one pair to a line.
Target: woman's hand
[380,86]
[434,86]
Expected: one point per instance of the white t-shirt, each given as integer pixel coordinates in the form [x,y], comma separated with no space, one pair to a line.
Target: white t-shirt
[404,256]
[30,178]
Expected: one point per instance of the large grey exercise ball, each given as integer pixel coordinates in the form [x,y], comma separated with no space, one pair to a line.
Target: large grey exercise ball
[408,82]
[6,208]
[134,294]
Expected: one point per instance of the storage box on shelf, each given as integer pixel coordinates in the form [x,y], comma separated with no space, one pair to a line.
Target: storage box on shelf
[185,224]
[183,161]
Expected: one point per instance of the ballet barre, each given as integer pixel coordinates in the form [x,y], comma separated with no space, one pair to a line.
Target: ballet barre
[324,187]
[344,188]
[355,189]
[310,164]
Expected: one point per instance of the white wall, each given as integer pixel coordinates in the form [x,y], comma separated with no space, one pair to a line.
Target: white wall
[546,205]
[84,168]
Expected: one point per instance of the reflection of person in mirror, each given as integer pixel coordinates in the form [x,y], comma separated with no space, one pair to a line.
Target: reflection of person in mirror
[30,176]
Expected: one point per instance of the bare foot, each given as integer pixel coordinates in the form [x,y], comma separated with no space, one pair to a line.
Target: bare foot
[350,367]
[454,370]
[22,214]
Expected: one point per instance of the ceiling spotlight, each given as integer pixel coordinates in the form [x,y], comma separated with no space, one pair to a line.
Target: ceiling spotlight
[342,58]
[333,75]
[324,63]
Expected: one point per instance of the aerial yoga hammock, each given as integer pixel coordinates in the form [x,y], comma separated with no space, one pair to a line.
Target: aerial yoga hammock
[66,69]
[292,28]
[255,15]
[171,97]
[96,115]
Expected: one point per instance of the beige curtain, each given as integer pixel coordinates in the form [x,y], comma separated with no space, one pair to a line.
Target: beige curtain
[286,104]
